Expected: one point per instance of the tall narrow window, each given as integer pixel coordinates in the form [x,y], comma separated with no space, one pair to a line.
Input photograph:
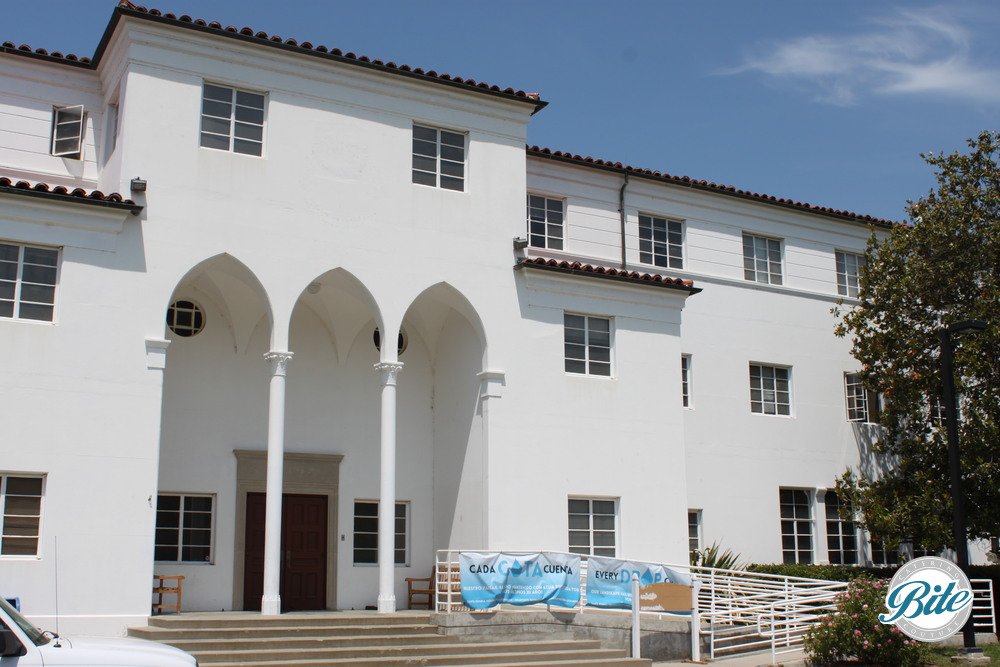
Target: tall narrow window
[770,390]
[593,526]
[545,222]
[660,242]
[27,282]
[796,526]
[762,259]
[366,532]
[848,268]
[841,534]
[67,132]
[686,380]
[587,344]
[21,514]
[184,525]
[694,531]
[232,120]
[438,158]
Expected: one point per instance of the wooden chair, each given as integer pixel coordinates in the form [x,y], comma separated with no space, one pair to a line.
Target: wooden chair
[421,587]
[162,587]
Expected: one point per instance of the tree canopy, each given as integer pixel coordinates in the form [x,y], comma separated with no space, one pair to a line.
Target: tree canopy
[941,268]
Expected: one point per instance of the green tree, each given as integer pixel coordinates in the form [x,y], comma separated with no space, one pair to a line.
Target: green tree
[942,268]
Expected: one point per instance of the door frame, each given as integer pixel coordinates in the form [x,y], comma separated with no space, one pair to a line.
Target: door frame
[307,474]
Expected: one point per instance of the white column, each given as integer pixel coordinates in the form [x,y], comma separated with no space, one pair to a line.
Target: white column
[387,491]
[270,603]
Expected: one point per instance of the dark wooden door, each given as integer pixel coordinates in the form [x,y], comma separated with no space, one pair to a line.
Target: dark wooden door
[303,552]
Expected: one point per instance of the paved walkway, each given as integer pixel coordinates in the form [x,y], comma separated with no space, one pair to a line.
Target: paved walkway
[796,659]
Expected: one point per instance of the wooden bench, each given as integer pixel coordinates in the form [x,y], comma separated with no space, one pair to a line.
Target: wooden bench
[420,587]
[168,584]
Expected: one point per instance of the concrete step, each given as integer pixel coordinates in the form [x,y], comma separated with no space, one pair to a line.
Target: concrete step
[169,634]
[249,618]
[590,658]
[364,650]
[302,643]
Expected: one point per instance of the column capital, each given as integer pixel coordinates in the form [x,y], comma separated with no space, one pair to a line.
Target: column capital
[279,361]
[389,371]
[156,353]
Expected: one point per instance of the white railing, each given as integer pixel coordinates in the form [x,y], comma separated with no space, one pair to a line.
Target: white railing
[983,616]
[739,611]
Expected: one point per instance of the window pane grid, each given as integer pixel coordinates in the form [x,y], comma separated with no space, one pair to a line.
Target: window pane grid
[28,282]
[20,515]
[769,390]
[796,526]
[545,222]
[67,132]
[857,398]
[592,526]
[438,158]
[587,345]
[841,534]
[848,268]
[232,120]
[685,381]
[694,531]
[366,532]
[762,259]
[184,526]
[660,242]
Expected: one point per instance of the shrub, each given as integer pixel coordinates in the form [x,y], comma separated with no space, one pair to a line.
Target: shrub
[854,632]
[714,556]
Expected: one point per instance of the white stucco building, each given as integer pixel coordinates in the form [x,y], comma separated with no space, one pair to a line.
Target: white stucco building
[178,359]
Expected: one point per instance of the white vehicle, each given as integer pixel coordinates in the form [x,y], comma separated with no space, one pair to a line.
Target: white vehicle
[24,645]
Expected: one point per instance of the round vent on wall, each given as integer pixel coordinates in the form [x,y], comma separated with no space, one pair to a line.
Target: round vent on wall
[185,318]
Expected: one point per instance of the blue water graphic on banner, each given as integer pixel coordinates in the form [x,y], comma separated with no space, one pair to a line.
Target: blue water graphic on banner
[609,580]
[489,579]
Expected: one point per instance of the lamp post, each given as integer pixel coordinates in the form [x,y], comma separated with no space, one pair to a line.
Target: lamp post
[951,423]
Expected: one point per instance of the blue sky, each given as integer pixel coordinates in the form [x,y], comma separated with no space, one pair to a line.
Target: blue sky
[825,102]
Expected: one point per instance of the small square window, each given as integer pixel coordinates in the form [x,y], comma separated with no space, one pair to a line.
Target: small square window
[438,158]
[20,514]
[68,124]
[660,242]
[366,532]
[762,259]
[849,267]
[232,120]
[796,526]
[587,344]
[184,528]
[593,526]
[770,390]
[545,222]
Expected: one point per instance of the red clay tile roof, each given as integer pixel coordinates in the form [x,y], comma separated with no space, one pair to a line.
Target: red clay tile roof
[609,272]
[686,181]
[249,35]
[63,193]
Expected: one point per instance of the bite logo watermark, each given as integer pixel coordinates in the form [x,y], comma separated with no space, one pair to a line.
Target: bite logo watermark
[929,599]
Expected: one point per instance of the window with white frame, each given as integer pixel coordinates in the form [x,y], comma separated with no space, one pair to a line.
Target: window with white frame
[28,282]
[366,532]
[660,242]
[841,534]
[587,344]
[593,526]
[184,526]
[185,318]
[438,158]
[883,554]
[21,514]
[545,222]
[796,526]
[686,380]
[770,390]
[232,120]
[862,403]
[694,531]
[848,268]
[762,259]
[68,124]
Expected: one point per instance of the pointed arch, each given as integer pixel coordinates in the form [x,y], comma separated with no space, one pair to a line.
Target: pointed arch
[429,310]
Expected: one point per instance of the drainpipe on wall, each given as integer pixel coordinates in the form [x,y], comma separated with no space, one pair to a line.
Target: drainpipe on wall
[621,211]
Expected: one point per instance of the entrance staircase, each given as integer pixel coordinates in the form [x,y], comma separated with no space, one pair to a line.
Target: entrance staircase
[320,639]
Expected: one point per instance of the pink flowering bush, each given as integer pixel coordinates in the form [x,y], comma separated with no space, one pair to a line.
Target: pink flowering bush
[854,634]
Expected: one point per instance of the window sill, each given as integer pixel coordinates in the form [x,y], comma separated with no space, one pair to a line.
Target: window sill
[184,563]
[376,564]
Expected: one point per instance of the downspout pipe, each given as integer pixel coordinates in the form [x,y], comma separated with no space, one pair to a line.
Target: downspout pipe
[621,212]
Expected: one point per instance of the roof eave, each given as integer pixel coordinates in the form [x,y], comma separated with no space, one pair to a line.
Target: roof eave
[689,289]
[132,208]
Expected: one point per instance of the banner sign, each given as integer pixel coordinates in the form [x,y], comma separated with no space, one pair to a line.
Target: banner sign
[489,579]
[609,580]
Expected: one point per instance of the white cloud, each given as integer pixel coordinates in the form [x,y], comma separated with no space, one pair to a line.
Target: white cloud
[911,52]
